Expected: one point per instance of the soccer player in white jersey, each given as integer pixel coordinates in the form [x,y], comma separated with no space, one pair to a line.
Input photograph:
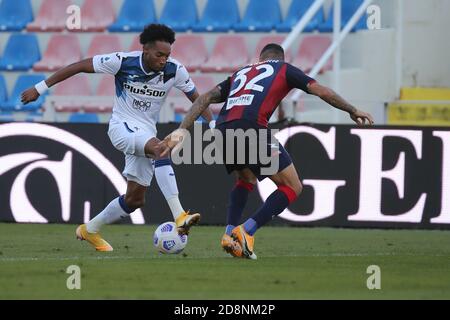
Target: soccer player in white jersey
[143,80]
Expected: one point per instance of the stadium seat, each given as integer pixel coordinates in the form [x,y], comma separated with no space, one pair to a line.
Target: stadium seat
[71,89]
[270,39]
[83,118]
[179,15]
[230,52]
[107,89]
[15,14]
[310,51]
[136,45]
[3,90]
[260,16]
[190,50]
[62,50]
[218,16]
[52,16]
[96,15]
[296,11]
[103,44]
[24,82]
[134,15]
[348,8]
[21,53]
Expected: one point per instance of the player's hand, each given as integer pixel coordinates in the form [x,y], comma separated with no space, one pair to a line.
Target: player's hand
[361,117]
[29,95]
[172,142]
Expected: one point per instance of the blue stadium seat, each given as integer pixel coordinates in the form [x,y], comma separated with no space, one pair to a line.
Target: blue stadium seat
[3,90]
[218,16]
[24,82]
[179,15]
[15,14]
[296,11]
[21,53]
[134,16]
[348,8]
[84,118]
[260,16]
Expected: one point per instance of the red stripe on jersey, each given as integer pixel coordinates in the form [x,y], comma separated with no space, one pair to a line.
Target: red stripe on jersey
[277,92]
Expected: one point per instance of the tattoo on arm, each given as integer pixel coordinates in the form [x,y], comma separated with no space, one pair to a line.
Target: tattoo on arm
[200,105]
[338,102]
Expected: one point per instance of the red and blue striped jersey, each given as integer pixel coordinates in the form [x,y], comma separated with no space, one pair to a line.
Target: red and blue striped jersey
[255,91]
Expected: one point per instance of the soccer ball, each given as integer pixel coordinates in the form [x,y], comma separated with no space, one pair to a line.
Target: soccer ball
[167,240]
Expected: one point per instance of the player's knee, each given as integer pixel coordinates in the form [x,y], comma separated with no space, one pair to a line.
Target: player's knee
[134,202]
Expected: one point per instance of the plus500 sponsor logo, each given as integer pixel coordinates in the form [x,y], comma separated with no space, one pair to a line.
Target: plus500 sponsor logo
[144,91]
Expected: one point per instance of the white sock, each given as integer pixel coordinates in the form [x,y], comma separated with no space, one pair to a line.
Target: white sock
[168,185]
[112,213]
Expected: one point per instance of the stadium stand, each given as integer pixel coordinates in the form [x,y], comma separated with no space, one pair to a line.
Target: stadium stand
[348,8]
[266,40]
[51,17]
[24,82]
[104,43]
[63,49]
[106,88]
[134,15]
[296,11]
[179,15]
[83,118]
[224,57]
[15,14]
[218,16]
[3,90]
[260,16]
[71,89]
[200,52]
[310,50]
[190,49]
[96,15]
[21,53]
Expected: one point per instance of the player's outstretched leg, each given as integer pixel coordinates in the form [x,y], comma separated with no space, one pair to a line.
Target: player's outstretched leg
[167,182]
[289,188]
[117,209]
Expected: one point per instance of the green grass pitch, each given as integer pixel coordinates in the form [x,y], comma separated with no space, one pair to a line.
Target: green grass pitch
[293,263]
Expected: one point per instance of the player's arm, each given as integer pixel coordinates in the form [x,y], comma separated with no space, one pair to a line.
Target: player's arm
[33,93]
[333,99]
[216,95]
[297,79]
[200,105]
[207,114]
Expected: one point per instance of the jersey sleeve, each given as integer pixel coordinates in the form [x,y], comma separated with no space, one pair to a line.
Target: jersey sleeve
[296,78]
[224,88]
[107,63]
[183,81]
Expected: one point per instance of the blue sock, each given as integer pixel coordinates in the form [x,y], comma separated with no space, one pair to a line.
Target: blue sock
[238,199]
[274,205]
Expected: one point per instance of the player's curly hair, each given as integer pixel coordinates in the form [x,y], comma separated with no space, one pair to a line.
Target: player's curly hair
[157,32]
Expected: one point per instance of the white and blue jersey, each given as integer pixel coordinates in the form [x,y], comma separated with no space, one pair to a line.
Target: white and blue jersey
[140,94]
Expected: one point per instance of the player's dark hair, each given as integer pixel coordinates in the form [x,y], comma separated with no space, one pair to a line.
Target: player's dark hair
[157,32]
[272,49]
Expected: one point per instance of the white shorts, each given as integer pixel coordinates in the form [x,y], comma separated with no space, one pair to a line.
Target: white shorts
[131,139]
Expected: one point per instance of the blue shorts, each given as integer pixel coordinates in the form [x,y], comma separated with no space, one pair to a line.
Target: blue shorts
[265,157]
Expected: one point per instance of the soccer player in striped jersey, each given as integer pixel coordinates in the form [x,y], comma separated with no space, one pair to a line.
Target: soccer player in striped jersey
[251,95]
